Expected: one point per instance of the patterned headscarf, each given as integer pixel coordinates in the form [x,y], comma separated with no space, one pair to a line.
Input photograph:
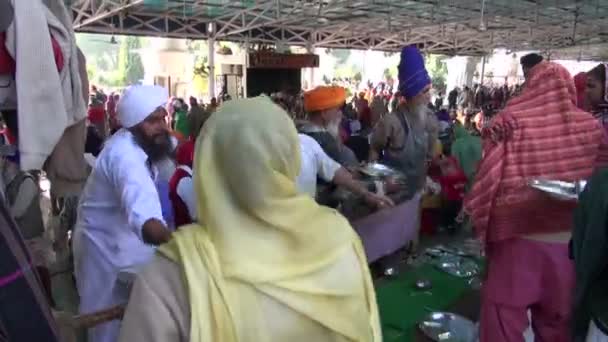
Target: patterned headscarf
[539,134]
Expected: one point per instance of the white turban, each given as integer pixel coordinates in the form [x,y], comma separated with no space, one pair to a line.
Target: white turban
[138,102]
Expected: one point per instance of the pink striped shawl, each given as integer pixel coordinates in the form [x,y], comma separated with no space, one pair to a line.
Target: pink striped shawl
[540,134]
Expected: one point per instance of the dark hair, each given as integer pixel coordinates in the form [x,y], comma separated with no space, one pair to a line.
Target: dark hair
[599,73]
[530,60]
[315,112]
[10,119]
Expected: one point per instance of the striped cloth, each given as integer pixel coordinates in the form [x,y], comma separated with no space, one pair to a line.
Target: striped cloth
[540,134]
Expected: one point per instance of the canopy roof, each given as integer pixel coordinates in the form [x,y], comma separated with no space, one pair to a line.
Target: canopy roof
[563,28]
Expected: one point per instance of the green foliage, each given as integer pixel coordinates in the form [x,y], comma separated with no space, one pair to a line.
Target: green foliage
[130,69]
[341,55]
[438,70]
[115,65]
[134,71]
[390,74]
[91,71]
[358,77]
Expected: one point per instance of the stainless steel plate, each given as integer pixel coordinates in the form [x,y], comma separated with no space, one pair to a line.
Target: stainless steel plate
[448,327]
[378,170]
[458,266]
[559,189]
[435,251]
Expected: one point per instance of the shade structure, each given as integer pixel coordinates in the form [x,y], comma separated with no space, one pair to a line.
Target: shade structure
[562,28]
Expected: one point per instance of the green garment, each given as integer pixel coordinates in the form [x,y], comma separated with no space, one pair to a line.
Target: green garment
[182,125]
[590,252]
[467,150]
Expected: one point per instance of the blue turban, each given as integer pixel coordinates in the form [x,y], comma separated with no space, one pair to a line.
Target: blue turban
[413,76]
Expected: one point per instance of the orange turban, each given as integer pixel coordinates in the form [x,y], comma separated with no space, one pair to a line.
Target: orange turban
[322,98]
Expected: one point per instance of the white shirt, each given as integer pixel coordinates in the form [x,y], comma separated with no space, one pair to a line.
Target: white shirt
[119,197]
[185,191]
[315,163]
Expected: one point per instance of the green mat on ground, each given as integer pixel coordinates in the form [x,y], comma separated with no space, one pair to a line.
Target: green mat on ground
[402,306]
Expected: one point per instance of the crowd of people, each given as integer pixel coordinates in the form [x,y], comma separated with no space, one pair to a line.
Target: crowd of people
[481,149]
[218,222]
[257,159]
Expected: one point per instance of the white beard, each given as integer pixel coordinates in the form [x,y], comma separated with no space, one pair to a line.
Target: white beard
[334,129]
[419,114]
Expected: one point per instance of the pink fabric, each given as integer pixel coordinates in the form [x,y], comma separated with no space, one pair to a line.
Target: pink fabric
[525,274]
[539,134]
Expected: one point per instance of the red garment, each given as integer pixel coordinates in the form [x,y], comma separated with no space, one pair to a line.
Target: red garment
[111,110]
[8,136]
[7,63]
[365,116]
[96,114]
[453,184]
[540,134]
[184,155]
[180,209]
[580,82]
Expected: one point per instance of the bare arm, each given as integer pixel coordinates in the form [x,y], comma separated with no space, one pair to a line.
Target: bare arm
[345,179]
[373,155]
[379,140]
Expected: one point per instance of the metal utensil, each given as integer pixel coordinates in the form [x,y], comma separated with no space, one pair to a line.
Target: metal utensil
[447,327]
[423,284]
[377,170]
[390,272]
[457,266]
[559,189]
[475,283]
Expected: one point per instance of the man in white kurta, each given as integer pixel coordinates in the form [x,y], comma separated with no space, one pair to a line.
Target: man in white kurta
[119,216]
[315,163]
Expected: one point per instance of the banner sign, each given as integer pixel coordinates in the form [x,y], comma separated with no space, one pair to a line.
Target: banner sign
[271,60]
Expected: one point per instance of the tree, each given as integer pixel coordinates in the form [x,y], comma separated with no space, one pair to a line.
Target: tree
[135,69]
[91,71]
[129,69]
[438,70]
[341,55]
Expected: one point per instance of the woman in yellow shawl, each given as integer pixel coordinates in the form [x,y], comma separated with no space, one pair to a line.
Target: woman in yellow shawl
[267,264]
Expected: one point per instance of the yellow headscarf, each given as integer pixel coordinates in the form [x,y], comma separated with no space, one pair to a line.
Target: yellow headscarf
[260,236]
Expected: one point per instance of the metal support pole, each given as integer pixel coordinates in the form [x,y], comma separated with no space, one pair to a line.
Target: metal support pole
[245,66]
[483,69]
[311,71]
[211,58]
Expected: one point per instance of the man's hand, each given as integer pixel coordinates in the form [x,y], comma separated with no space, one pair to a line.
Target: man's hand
[392,185]
[380,202]
[155,232]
